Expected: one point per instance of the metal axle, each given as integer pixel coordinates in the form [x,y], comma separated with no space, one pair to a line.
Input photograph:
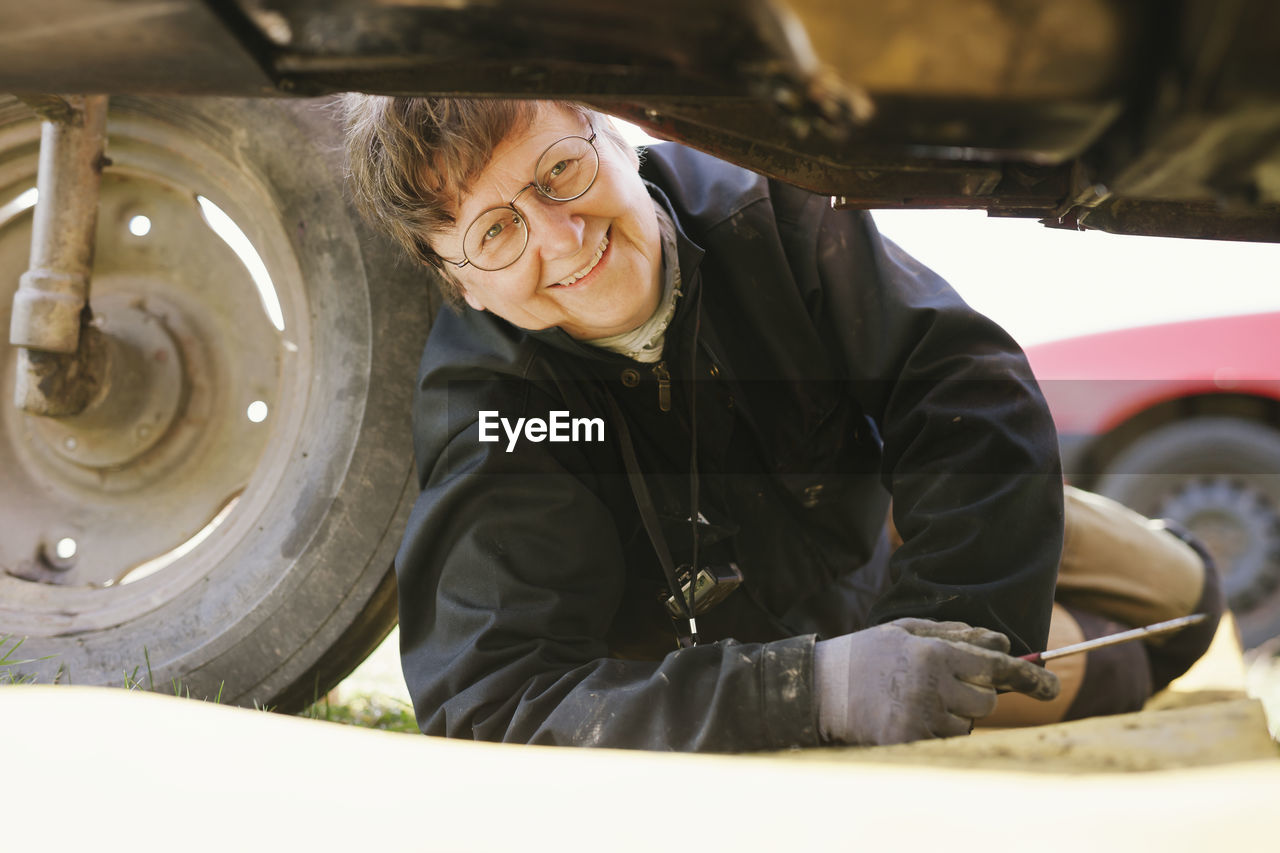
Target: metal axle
[59,370]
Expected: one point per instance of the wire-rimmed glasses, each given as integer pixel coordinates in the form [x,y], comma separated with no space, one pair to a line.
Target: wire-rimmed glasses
[497,238]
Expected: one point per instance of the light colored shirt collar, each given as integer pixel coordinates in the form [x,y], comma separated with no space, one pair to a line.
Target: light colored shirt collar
[644,343]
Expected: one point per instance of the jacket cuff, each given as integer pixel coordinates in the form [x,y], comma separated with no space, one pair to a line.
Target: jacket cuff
[789,710]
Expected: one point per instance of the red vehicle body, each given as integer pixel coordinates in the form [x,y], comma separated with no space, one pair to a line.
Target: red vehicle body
[1182,421]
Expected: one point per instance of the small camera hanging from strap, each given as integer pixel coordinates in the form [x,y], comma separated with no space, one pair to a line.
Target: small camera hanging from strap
[696,594]
[712,586]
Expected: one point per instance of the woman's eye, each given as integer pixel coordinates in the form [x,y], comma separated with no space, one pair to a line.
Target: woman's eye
[563,170]
[494,230]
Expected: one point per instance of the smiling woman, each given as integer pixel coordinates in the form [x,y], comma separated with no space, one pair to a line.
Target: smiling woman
[679,309]
[498,237]
[492,158]
[592,262]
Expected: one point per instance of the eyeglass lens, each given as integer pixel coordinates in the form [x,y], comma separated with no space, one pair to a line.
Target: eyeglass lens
[497,237]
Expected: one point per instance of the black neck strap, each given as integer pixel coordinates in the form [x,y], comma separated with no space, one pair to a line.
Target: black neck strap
[644,502]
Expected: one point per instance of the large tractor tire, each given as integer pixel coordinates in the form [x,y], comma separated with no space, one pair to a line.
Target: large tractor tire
[229,532]
[1219,477]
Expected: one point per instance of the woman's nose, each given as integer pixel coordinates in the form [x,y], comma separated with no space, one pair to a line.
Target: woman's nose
[556,228]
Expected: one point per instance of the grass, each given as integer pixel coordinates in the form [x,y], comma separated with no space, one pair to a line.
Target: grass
[9,674]
[371,711]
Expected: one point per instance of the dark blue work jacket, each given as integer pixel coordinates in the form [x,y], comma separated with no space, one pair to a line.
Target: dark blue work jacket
[823,370]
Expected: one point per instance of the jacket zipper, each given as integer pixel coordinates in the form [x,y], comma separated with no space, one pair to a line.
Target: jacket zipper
[664,386]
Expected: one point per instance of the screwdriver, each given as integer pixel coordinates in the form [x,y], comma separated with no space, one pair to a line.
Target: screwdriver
[1114,639]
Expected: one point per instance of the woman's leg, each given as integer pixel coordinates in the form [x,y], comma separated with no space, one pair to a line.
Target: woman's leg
[1118,571]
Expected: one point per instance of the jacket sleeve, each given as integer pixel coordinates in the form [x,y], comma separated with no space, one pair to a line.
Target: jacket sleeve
[970,452]
[510,574]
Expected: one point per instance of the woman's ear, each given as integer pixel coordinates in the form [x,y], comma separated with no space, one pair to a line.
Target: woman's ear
[471,299]
[451,281]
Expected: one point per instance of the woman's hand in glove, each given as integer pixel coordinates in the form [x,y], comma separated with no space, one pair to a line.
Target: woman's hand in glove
[914,678]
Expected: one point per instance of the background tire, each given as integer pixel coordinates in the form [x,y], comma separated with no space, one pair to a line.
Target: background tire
[289,525]
[1220,477]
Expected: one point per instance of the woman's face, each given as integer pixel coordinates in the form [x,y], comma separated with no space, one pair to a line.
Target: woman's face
[559,280]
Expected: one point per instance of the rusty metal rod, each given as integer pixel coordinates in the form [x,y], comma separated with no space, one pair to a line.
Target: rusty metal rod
[1115,639]
[54,290]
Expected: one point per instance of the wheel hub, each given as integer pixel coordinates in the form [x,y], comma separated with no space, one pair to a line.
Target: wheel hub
[97,504]
[1239,524]
[142,395]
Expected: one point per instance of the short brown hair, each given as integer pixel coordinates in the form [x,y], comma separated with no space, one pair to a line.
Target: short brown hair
[410,160]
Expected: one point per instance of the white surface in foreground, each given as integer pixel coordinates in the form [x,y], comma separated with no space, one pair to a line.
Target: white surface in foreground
[107,769]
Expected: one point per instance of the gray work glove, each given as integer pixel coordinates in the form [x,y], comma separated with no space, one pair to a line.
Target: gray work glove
[913,678]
